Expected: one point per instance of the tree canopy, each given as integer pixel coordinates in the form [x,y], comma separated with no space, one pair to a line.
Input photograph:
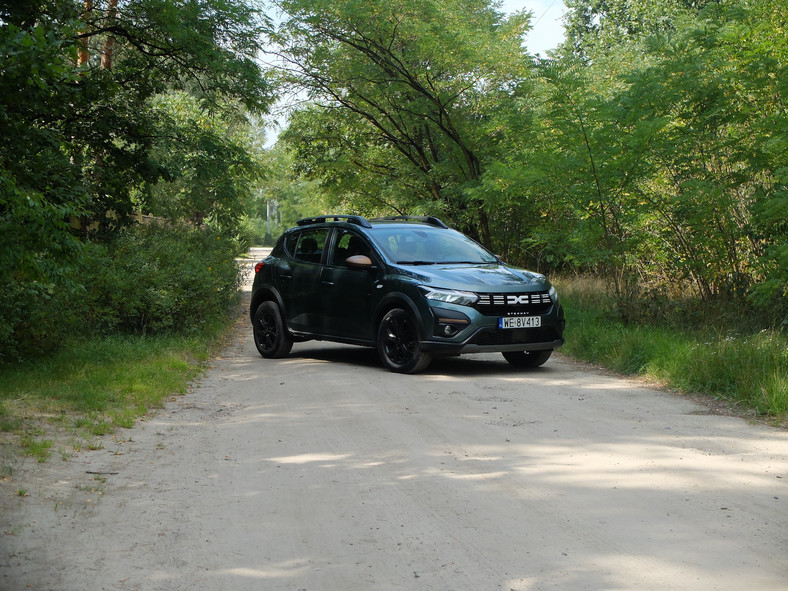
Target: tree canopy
[650,147]
[91,129]
[402,93]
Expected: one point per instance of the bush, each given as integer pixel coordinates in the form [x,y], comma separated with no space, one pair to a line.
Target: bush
[36,316]
[147,280]
[153,279]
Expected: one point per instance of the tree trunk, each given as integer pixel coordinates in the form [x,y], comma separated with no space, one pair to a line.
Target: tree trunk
[83,54]
[109,44]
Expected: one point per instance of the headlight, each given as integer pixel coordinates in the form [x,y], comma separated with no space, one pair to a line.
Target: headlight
[553,294]
[449,296]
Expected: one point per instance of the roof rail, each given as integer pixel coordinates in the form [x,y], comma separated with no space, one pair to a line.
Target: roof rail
[353,219]
[426,219]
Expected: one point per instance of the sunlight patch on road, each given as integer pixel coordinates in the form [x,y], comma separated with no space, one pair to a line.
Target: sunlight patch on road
[484,476]
[309,458]
[302,361]
[643,466]
[286,569]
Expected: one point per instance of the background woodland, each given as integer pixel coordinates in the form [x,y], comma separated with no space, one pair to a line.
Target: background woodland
[649,150]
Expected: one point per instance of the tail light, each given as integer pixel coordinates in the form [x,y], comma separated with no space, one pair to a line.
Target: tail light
[258,266]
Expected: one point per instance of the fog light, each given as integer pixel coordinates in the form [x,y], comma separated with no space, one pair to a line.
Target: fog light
[449,323]
[448,327]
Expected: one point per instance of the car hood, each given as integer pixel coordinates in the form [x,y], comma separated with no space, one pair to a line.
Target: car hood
[478,278]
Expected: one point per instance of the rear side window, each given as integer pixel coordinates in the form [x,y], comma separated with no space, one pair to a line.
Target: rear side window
[311,244]
[279,247]
[291,242]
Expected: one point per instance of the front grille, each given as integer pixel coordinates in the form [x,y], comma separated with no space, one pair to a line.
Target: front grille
[514,304]
[492,336]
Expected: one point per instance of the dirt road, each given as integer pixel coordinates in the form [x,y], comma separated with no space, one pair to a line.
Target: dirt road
[323,472]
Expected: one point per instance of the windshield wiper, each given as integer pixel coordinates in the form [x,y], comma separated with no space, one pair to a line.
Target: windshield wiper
[416,262]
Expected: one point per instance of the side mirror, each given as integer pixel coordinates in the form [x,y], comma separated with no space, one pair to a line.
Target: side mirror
[359,261]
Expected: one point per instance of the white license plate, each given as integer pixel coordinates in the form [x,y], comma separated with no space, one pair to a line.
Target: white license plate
[520,322]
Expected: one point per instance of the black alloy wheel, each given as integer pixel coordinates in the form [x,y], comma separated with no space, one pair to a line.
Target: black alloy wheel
[270,333]
[398,343]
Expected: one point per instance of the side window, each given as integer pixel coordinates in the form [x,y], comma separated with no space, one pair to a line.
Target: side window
[347,245]
[291,241]
[310,246]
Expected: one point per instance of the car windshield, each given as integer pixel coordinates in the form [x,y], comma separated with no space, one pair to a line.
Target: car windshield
[429,246]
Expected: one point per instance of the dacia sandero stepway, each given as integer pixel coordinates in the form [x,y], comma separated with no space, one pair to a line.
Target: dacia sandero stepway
[410,287]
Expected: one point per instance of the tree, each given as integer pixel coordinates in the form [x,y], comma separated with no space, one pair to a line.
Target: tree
[657,160]
[143,48]
[284,196]
[401,91]
[211,163]
[599,27]
[77,131]
[40,186]
[80,80]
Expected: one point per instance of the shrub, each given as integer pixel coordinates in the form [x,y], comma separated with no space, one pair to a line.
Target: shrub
[147,280]
[154,279]
[36,316]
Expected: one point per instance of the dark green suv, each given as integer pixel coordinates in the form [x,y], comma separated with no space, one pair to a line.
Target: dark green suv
[411,287]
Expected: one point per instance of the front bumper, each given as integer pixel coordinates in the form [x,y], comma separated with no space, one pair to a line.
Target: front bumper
[482,335]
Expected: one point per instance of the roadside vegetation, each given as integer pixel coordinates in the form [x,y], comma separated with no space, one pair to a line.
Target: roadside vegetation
[129,156]
[92,387]
[696,351]
[648,151]
[133,327]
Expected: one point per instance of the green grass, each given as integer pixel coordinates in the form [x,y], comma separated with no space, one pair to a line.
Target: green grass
[94,387]
[749,370]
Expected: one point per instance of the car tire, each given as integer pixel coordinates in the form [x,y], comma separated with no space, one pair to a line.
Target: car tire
[398,343]
[270,333]
[527,359]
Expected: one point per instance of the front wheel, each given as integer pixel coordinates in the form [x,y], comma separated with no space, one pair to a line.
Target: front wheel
[270,334]
[398,343]
[527,359]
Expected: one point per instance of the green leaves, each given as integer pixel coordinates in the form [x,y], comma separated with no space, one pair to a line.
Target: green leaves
[82,146]
[402,91]
[688,120]
[209,164]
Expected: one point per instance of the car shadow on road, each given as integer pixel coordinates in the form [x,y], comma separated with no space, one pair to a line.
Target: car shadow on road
[491,364]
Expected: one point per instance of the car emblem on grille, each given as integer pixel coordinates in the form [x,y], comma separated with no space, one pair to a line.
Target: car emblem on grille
[514,300]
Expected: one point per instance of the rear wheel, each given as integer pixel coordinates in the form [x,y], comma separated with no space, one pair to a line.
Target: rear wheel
[527,359]
[270,334]
[398,343]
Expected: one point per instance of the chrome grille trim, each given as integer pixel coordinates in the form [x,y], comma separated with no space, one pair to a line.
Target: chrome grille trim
[514,299]
[514,304]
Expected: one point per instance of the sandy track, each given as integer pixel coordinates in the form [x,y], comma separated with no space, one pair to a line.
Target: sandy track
[324,472]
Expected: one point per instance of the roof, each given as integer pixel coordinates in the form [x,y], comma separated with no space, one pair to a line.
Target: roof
[365,223]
